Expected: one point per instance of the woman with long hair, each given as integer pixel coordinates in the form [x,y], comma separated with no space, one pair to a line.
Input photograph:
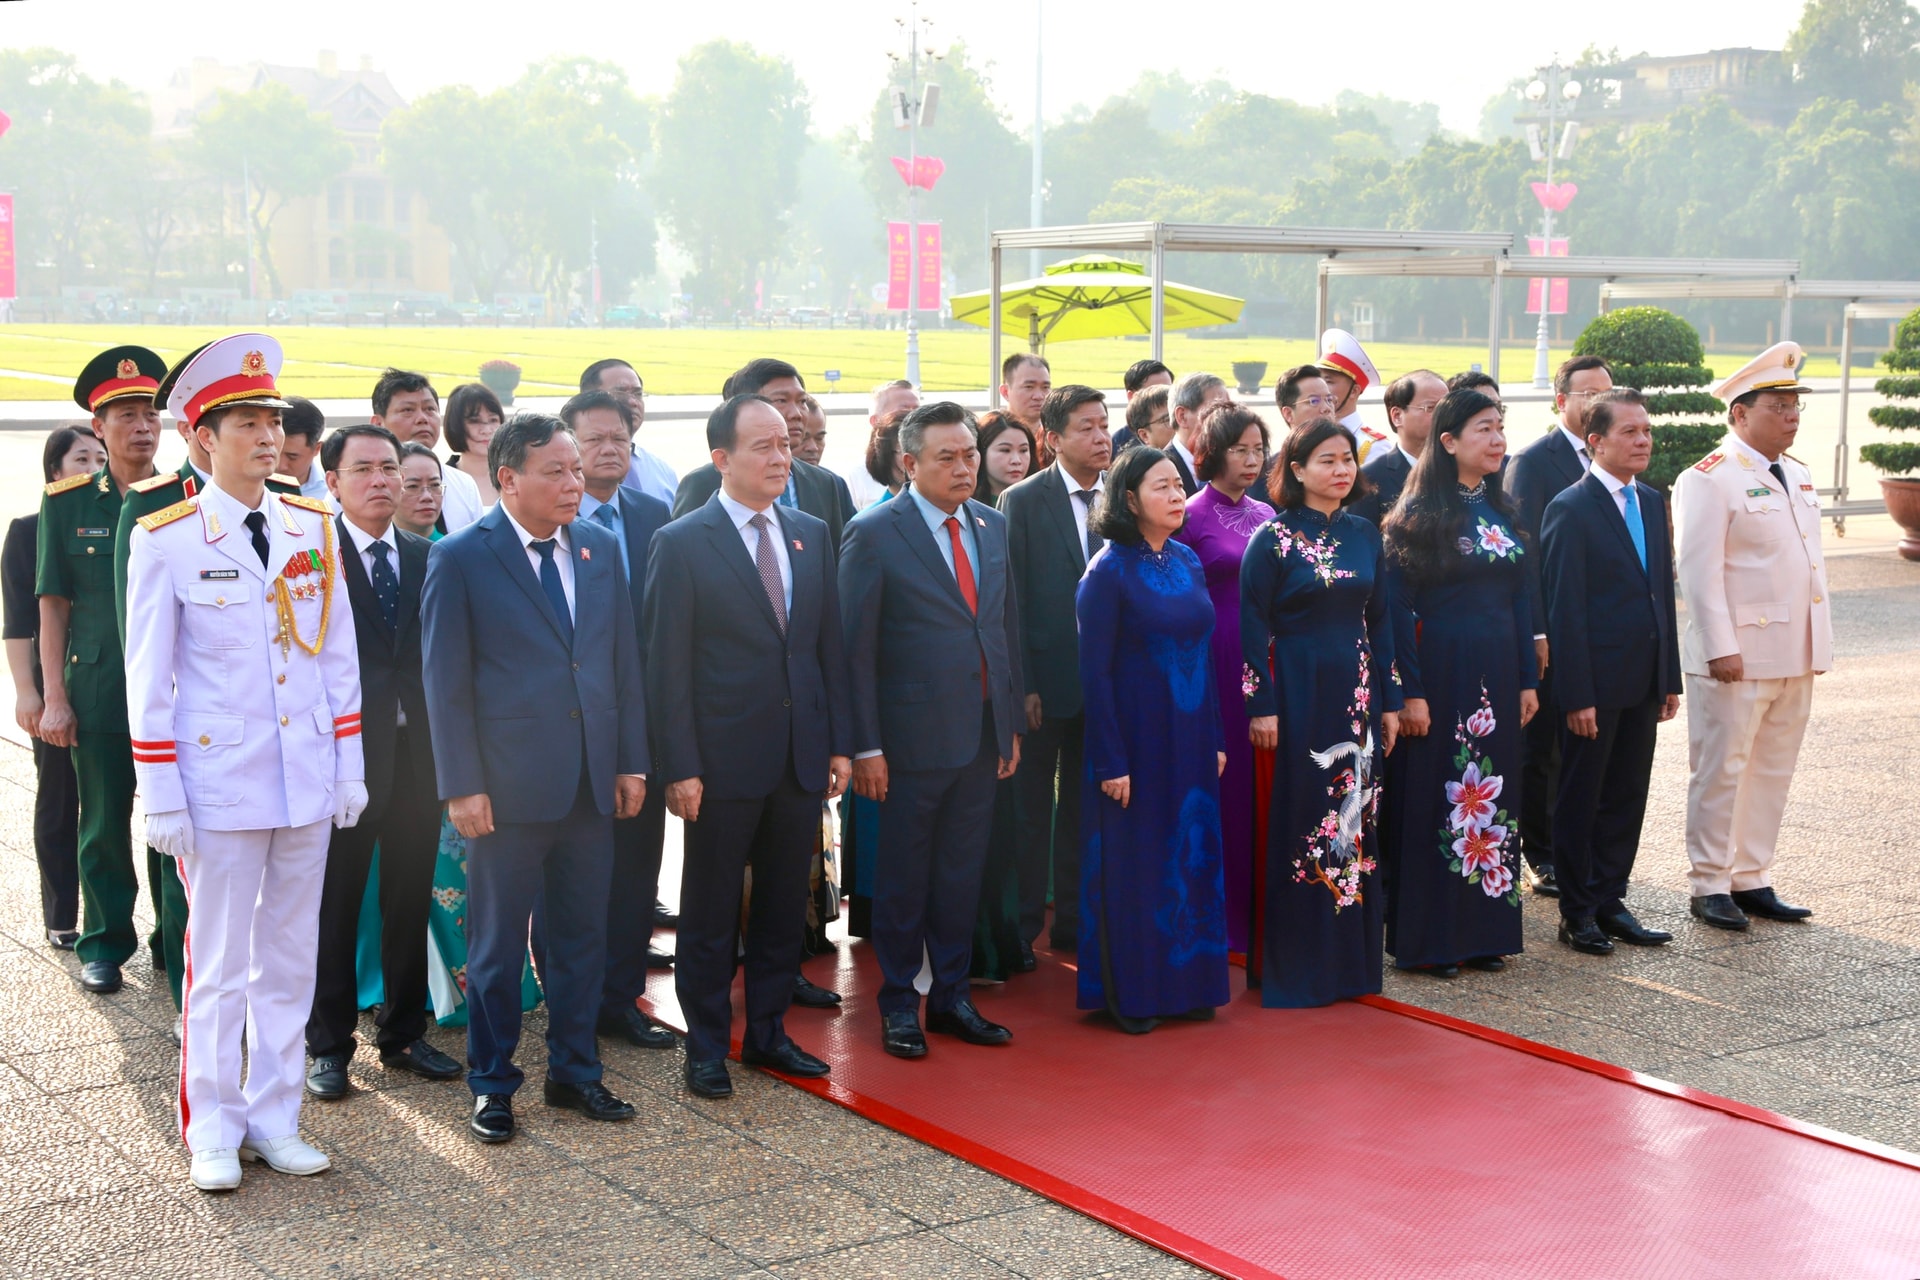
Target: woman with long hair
[1316,596]
[1469,679]
[1006,455]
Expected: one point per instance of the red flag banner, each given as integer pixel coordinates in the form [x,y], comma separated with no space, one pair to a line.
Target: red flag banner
[923,172]
[899,269]
[929,266]
[6,248]
[6,123]
[1557,295]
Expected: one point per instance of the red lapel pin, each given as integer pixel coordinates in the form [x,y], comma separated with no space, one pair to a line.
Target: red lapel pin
[585,554]
[797,546]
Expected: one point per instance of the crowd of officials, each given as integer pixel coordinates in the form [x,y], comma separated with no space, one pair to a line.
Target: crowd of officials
[1151,695]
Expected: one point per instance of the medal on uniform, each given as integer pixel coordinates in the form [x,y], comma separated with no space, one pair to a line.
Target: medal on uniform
[304,563]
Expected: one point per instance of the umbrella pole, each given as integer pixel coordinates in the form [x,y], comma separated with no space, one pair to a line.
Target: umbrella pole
[1033,332]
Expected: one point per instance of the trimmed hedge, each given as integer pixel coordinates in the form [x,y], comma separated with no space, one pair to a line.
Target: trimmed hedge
[1890,458]
[1651,350]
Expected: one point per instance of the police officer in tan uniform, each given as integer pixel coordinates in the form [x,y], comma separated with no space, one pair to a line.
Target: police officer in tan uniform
[1747,524]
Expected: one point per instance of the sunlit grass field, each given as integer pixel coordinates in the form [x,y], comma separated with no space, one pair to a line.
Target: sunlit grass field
[325,363]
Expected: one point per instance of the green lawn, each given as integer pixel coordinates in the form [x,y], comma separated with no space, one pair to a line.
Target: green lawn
[340,363]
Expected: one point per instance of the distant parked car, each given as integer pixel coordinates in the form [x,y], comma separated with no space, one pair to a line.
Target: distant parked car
[624,316]
[811,317]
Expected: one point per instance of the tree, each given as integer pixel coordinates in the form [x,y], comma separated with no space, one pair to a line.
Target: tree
[836,230]
[1408,125]
[174,204]
[1861,50]
[268,140]
[1655,351]
[731,135]
[1085,159]
[452,146]
[1904,361]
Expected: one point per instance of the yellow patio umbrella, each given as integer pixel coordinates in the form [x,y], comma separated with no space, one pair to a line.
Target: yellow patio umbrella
[1092,297]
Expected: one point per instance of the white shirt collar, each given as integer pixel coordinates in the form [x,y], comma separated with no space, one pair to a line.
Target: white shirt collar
[527,540]
[235,508]
[740,513]
[1579,445]
[1614,483]
[590,504]
[1073,486]
[1413,460]
[362,539]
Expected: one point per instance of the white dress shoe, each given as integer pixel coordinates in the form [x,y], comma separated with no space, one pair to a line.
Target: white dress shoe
[285,1155]
[216,1169]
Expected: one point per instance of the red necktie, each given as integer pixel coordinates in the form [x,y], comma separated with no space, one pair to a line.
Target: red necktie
[963,573]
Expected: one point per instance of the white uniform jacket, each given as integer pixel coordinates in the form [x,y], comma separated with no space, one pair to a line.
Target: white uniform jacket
[1750,567]
[231,719]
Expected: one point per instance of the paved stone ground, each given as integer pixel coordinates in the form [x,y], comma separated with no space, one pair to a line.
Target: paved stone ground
[1820,1021]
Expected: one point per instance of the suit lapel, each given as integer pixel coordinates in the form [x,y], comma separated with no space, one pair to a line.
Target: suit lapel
[505,545]
[359,583]
[413,575]
[1058,499]
[1569,457]
[732,548]
[236,543]
[907,519]
[1610,512]
[992,564]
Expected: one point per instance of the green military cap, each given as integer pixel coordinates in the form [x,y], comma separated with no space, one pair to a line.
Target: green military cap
[117,373]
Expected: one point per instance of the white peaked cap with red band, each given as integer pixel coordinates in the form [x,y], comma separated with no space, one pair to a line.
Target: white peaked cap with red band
[1342,351]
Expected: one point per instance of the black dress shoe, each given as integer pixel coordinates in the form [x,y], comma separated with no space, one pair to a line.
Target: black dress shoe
[1438,970]
[1717,909]
[590,1098]
[665,917]
[812,995]
[492,1119]
[1024,962]
[1584,936]
[102,977]
[1488,964]
[658,959]
[62,939]
[964,1020]
[422,1059]
[1622,925]
[637,1029]
[1543,881]
[708,1078]
[789,1060]
[900,1035]
[1765,903]
[327,1077]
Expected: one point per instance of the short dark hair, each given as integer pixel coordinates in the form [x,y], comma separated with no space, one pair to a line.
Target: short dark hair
[523,431]
[1112,519]
[590,376]
[883,447]
[1220,430]
[1013,362]
[1286,392]
[397,381]
[723,424]
[1401,391]
[466,400]
[934,413]
[587,400]
[1563,376]
[1142,409]
[1601,409]
[302,417]
[1062,401]
[336,444]
[1472,380]
[1139,371]
[59,445]
[755,374]
[991,428]
[414,449]
[1285,488]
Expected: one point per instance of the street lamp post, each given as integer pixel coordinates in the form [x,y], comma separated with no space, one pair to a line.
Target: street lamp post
[911,106]
[1553,86]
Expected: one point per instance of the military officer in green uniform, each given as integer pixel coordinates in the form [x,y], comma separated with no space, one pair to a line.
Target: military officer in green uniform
[80,653]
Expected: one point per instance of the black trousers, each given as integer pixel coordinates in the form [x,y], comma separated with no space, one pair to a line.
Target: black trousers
[1602,803]
[407,832]
[1052,759]
[56,836]
[775,836]
[934,826]
[1540,778]
[637,845]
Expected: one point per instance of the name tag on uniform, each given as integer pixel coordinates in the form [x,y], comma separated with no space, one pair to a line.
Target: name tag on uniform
[220,575]
[1809,495]
[1759,493]
[93,533]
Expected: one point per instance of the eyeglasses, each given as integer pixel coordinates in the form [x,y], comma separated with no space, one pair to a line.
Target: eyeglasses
[1319,402]
[1782,405]
[1245,451]
[415,486]
[1429,408]
[1584,395]
[1160,421]
[390,470]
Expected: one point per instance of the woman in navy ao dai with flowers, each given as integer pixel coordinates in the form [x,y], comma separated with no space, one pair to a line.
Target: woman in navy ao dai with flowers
[1469,683]
[1314,592]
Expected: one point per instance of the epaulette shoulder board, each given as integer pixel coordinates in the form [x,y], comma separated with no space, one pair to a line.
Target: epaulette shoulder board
[1709,462]
[68,484]
[160,481]
[1790,458]
[305,503]
[167,515]
[286,482]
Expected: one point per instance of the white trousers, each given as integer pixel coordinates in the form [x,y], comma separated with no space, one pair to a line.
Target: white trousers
[253,931]
[1743,740]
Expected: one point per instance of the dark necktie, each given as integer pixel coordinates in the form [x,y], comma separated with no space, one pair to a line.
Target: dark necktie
[1779,473]
[257,522]
[1094,540]
[550,583]
[769,566]
[386,586]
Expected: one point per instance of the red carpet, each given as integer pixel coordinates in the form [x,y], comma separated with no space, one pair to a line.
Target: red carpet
[1369,1140]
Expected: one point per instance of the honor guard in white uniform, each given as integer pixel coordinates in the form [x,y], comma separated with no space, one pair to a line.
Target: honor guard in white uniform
[243,692]
[1747,542]
[1349,371]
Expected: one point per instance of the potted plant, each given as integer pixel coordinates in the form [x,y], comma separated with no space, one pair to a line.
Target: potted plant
[1248,374]
[501,377]
[1657,352]
[1900,488]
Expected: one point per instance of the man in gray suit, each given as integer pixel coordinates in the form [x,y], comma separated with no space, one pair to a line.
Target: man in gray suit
[932,641]
[1048,538]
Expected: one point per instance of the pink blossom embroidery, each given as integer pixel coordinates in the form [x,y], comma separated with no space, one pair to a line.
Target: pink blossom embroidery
[1249,681]
[1481,723]
[1497,880]
[1480,849]
[1476,842]
[1472,799]
[1497,542]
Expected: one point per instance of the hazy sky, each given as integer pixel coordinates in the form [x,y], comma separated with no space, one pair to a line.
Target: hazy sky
[1454,55]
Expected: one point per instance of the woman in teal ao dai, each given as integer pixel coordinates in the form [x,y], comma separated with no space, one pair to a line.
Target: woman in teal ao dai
[1153,940]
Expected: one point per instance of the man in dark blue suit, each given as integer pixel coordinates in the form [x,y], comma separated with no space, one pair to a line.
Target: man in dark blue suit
[933,644]
[533,674]
[752,730]
[602,425]
[1411,400]
[1610,620]
[1554,462]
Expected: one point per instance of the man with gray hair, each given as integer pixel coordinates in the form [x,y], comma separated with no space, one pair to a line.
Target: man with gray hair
[898,396]
[1195,395]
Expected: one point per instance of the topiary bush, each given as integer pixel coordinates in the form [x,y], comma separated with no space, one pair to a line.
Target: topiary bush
[1898,459]
[1656,352]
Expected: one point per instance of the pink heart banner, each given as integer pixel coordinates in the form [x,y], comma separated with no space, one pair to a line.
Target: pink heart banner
[923,172]
[1551,195]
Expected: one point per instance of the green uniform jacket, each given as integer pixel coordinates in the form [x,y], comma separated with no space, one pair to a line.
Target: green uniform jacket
[78,525]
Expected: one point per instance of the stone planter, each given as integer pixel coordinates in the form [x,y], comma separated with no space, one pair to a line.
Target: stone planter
[501,382]
[1903,504]
[1248,374]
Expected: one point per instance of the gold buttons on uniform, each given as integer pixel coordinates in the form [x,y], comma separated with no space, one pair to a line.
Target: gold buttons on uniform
[74,658]
[1817,599]
[219,599]
[283,719]
[1762,620]
[281,678]
[205,741]
[90,550]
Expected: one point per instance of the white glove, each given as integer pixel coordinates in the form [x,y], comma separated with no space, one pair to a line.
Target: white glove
[171,833]
[349,802]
